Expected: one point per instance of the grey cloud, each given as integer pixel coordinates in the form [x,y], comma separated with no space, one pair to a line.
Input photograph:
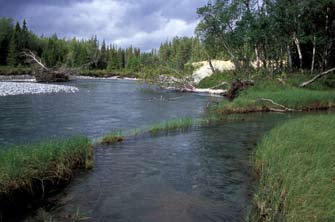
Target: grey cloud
[143,23]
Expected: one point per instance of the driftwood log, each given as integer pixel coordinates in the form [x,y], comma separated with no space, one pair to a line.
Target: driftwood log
[282,107]
[304,84]
[44,74]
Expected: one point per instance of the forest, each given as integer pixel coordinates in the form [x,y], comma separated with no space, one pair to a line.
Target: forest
[277,36]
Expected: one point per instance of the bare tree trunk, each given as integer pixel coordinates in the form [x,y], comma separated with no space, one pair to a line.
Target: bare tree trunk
[211,65]
[325,58]
[297,43]
[264,58]
[257,57]
[313,57]
[231,54]
[280,63]
[289,58]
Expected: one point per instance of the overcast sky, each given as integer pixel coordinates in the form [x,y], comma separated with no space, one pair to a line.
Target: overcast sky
[141,23]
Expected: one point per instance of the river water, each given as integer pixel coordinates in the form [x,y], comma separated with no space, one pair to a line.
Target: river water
[99,107]
[200,175]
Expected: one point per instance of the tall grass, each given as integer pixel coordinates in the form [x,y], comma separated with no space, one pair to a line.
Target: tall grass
[296,165]
[51,161]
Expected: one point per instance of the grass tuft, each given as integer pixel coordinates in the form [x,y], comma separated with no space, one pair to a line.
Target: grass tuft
[113,137]
[180,124]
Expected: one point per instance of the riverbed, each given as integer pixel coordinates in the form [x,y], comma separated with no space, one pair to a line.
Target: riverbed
[199,175]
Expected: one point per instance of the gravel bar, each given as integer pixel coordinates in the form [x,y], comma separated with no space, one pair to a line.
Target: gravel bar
[21,88]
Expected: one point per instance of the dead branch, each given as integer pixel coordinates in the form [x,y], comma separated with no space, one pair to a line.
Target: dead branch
[284,108]
[31,55]
[304,84]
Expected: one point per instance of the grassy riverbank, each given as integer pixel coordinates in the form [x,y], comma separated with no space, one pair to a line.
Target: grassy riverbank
[21,167]
[296,165]
[295,161]
[270,98]
[273,96]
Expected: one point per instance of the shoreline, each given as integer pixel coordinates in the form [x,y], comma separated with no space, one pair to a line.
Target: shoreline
[12,88]
[27,85]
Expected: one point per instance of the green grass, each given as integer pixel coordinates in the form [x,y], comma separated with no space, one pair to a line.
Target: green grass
[289,96]
[296,165]
[113,137]
[49,161]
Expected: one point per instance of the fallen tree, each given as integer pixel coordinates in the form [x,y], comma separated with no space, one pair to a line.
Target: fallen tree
[304,84]
[44,74]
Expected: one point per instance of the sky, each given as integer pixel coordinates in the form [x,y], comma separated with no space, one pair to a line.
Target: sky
[141,23]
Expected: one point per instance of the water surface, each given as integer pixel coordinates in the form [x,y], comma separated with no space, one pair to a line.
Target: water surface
[200,175]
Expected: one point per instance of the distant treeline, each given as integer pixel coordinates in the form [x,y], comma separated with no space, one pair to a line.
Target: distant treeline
[90,54]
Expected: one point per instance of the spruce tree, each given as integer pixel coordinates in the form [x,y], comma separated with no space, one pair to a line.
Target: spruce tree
[14,50]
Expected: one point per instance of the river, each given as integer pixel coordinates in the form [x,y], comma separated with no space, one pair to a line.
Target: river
[200,175]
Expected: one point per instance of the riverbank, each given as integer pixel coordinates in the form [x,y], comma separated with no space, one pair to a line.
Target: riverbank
[31,172]
[295,164]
